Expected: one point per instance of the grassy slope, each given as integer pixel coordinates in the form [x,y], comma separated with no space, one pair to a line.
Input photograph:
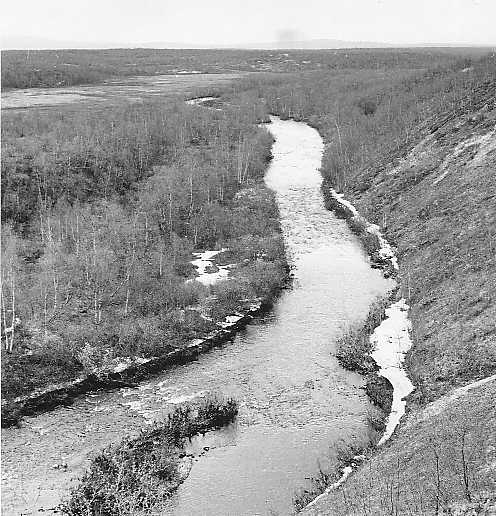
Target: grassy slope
[423,468]
[445,233]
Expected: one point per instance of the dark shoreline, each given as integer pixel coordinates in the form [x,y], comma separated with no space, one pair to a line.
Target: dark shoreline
[66,393]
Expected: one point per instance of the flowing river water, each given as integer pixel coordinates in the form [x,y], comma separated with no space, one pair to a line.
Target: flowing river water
[297,405]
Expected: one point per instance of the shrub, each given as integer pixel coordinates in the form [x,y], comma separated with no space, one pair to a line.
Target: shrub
[140,473]
[228,295]
[266,278]
[353,348]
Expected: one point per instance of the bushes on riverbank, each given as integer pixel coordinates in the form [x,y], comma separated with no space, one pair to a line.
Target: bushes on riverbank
[354,346]
[97,268]
[353,351]
[140,473]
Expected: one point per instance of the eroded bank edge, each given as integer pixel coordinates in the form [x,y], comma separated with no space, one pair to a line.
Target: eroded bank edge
[65,393]
[387,383]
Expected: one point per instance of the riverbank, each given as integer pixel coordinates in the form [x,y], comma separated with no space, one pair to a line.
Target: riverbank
[117,276]
[436,203]
[128,373]
[376,349]
[378,346]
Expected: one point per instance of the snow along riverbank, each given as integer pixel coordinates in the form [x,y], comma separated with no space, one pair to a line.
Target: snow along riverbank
[208,273]
[391,341]
[385,250]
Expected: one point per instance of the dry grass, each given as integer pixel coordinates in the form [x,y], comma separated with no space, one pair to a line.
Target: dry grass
[437,463]
[444,230]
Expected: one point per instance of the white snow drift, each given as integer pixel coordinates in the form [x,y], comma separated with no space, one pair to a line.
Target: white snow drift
[391,340]
[203,263]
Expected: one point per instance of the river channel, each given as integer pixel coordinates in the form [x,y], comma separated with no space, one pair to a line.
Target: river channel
[297,405]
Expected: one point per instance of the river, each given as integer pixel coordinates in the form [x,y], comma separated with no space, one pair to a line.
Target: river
[297,405]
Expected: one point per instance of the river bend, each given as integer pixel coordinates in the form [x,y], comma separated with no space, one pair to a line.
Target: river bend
[297,405]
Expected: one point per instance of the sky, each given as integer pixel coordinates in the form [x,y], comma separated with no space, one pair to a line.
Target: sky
[237,22]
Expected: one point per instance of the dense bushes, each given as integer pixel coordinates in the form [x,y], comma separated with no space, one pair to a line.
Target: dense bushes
[96,268]
[140,473]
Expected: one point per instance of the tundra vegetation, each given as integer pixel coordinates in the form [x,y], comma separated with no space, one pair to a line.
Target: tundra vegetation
[101,213]
[140,473]
[55,68]
[408,141]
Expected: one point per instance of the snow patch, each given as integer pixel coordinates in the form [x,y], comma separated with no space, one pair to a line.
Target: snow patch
[230,320]
[125,362]
[342,479]
[340,198]
[391,340]
[199,101]
[203,262]
[385,251]
[195,342]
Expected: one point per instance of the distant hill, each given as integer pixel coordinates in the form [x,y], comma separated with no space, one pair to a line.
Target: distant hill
[30,42]
[36,43]
[301,44]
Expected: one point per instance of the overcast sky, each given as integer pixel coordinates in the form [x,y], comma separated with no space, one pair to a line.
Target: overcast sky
[245,21]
